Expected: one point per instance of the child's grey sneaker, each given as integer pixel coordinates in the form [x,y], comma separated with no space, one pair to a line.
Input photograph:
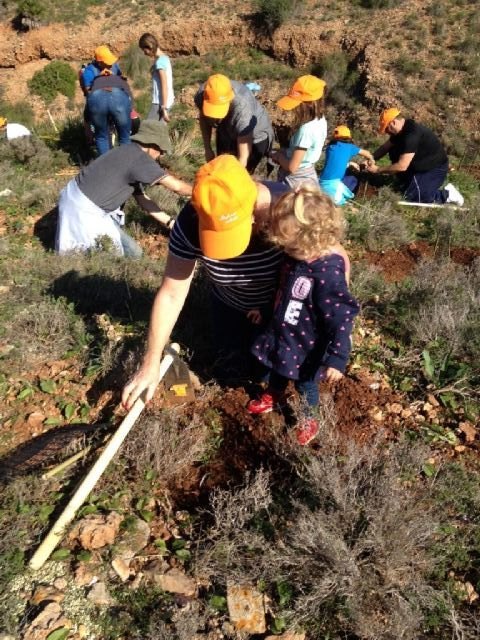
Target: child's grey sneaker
[454,195]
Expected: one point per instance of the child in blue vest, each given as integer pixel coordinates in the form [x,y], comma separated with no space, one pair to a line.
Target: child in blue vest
[162,79]
[308,339]
[334,181]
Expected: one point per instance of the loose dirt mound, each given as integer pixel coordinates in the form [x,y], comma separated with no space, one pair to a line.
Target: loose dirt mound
[362,407]
[396,264]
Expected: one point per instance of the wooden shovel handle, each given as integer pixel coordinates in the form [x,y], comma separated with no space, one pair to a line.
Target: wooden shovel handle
[57,531]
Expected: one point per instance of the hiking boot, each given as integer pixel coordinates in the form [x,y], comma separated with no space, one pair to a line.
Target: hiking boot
[306,431]
[454,195]
[266,403]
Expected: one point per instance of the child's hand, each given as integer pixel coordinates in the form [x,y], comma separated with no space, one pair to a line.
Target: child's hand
[274,155]
[254,316]
[333,375]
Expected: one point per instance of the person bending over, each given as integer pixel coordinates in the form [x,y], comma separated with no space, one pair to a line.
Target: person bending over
[241,123]
[221,228]
[90,204]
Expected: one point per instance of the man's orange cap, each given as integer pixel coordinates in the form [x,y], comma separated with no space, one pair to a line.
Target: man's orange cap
[217,95]
[387,116]
[341,131]
[224,196]
[103,54]
[305,89]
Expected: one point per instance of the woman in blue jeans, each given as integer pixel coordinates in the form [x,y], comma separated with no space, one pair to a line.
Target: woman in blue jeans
[109,102]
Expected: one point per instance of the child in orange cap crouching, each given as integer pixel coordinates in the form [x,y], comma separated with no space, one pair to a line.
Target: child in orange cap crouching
[334,179]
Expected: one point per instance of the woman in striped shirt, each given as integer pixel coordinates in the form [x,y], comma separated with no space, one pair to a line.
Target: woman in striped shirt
[222,228]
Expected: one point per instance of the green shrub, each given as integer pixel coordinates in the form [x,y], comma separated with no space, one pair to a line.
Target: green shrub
[34,9]
[56,77]
[275,12]
[377,4]
[17,112]
[136,66]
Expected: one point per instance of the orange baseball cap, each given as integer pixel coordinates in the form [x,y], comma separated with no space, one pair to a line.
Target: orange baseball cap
[103,54]
[224,196]
[342,131]
[217,95]
[305,89]
[387,116]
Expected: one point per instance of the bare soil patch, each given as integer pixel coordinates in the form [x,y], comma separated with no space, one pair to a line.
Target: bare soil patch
[397,264]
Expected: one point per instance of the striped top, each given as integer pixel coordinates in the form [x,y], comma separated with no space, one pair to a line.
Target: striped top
[246,282]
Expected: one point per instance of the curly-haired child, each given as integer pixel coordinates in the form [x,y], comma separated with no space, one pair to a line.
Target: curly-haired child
[308,338]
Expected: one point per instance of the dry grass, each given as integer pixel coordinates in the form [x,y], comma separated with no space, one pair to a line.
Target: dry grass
[441,304]
[42,331]
[353,543]
[167,443]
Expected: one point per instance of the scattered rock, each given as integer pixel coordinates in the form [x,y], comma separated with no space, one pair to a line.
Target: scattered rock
[132,541]
[45,592]
[246,608]
[60,584]
[122,569]
[175,581]
[99,595]
[469,430]
[50,618]
[86,574]
[432,400]
[288,636]
[96,531]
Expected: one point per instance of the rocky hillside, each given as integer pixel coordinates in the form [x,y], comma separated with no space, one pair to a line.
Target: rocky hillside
[420,55]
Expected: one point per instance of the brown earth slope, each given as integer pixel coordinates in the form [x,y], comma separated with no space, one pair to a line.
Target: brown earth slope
[401,54]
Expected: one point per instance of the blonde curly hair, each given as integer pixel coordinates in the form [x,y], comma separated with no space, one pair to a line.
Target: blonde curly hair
[305,223]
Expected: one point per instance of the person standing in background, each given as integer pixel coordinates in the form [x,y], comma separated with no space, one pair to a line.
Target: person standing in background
[162,78]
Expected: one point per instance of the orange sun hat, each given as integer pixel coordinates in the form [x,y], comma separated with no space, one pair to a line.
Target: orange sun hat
[217,96]
[305,89]
[342,131]
[103,54]
[224,196]
[387,116]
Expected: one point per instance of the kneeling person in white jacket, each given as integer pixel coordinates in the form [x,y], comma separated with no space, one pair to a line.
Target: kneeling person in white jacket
[89,206]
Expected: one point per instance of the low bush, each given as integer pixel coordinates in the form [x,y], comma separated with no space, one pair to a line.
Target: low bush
[352,546]
[439,305]
[377,4]
[17,112]
[379,224]
[275,12]
[136,66]
[57,77]
[34,9]
[44,331]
